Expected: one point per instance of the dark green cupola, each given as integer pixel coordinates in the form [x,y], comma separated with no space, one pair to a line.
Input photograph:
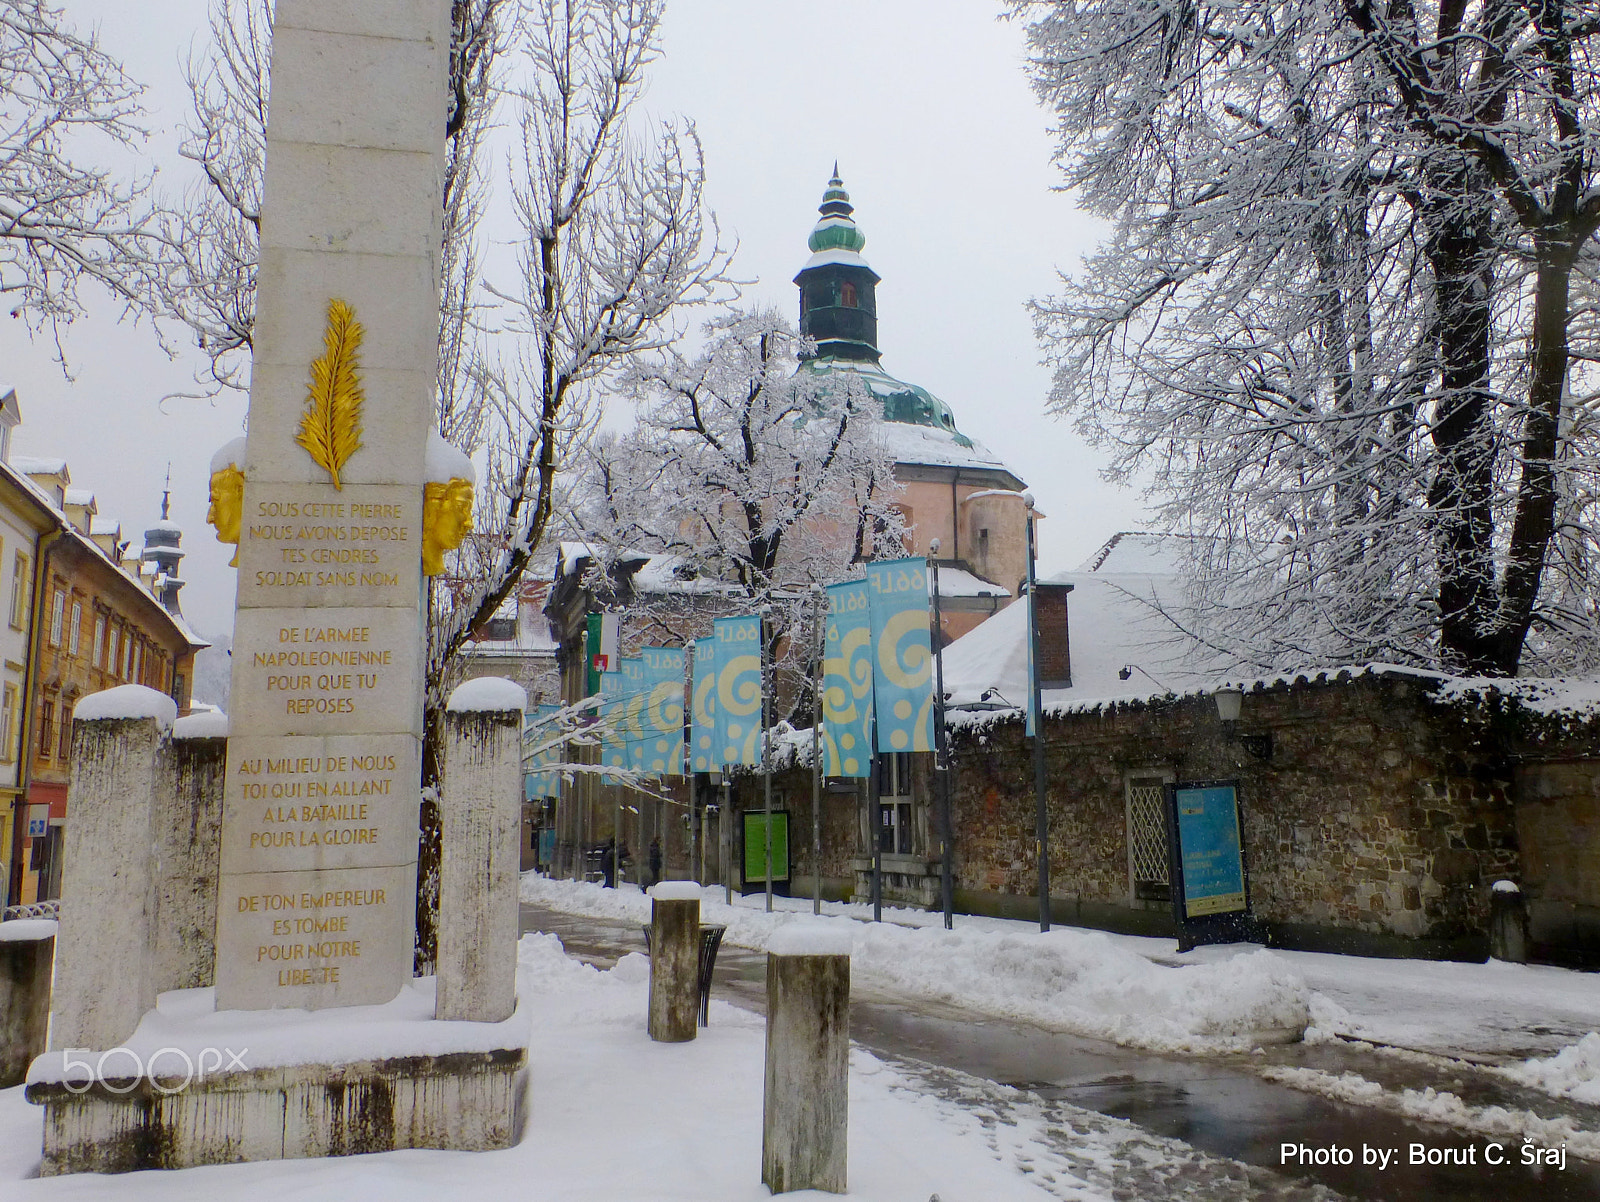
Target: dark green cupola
[838,289]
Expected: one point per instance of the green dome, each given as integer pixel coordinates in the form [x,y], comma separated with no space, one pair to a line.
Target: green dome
[906,404]
[837,228]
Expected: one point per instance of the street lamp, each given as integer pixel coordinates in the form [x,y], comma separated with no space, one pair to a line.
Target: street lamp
[1230,702]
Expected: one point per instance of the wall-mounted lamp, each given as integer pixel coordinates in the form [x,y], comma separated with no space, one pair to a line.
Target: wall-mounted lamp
[1230,701]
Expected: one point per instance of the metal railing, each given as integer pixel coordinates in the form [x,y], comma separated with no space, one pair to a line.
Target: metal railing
[43,909]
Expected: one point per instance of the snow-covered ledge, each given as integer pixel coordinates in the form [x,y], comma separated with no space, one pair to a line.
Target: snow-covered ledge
[127,702]
[208,724]
[487,695]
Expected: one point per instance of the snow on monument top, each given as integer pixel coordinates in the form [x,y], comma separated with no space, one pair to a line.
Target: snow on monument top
[128,701]
[209,724]
[487,694]
[810,939]
[445,462]
[229,454]
[676,891]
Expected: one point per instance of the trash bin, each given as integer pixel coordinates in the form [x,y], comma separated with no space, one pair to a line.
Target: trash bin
[710,941]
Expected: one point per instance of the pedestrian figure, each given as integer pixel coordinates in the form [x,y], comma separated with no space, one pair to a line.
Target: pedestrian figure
[655,860]
[608,864]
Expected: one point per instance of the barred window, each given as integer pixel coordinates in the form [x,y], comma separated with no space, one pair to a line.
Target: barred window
[1147,838]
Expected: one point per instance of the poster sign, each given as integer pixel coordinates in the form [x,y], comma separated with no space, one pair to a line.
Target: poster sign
[38,821]
[663,709]
[755,847]
[1211,896]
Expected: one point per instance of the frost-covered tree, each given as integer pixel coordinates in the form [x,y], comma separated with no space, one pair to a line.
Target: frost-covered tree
[1324,328]
[746,474]
[63,100]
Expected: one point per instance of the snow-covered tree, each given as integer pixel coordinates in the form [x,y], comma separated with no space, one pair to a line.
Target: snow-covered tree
[63,101]
[746,474]
[616,242]
[1330,327]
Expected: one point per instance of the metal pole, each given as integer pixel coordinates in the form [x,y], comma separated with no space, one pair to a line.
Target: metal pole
[942,756]
[875,825]
[725,842]
[816,758]
[766,746]
[1041,817]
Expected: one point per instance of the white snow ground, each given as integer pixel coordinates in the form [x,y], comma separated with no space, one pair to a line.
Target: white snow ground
[1494,1013]
[612,1115]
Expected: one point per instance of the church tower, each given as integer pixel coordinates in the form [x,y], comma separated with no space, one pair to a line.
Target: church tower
[838,289]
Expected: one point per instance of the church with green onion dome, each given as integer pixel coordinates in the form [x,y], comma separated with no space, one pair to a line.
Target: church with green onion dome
[956,489]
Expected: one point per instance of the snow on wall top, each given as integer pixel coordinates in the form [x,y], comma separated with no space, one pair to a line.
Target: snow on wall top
[128,701]
[1555,696]
[676,891]
[28,930]
[208,724]
[803,938]
[487,694]
[956,582]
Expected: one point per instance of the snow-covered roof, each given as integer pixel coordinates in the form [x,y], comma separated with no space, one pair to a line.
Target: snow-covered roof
[571,554]
[39,465]
[825,258]
[78,496]
[667,574]
[105,526]
[956,582]
[163,526]
[932,446]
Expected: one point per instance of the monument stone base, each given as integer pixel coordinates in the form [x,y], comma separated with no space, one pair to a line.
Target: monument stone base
[456,1101]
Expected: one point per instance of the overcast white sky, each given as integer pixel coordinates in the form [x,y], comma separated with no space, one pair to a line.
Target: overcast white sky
[940,143]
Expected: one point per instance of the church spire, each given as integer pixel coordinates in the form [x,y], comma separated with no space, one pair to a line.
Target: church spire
[838,288]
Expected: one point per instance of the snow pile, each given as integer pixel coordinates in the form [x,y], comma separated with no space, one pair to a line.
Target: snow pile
[487,694]
[1573,1072]
[1079,981]
[128,701]
[805,938]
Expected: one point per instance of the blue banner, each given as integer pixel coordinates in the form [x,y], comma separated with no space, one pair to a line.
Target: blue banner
[636,696]
[704,712]
[847,682]
[663,710]
[613,734]
[1208,846]
[897,591]
[539,729]
[738,690]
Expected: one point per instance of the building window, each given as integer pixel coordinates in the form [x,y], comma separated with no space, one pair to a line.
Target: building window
[98,651]
[58,616]
[64,747]
[1147,838]
[75,628]
[19,592]
[115,645]
[47,729]
[8,724]
[847,295]
[894,803]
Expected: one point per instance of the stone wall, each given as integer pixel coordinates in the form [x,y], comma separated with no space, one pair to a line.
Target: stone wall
[1376,815]
[1558,826]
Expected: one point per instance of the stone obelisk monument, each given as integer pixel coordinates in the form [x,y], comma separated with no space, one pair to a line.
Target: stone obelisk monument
[319,838]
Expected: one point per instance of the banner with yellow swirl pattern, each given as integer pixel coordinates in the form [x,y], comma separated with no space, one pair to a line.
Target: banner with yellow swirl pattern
[897,592]
[738,690]
[613,734]
[703,735]
[847,681]
[636,696]
[539,727]
[663,710]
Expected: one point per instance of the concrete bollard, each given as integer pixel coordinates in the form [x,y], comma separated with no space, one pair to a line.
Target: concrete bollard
[1508,923]
[121,780]
[480,831]
[27,949]
[674,961]
[806,1105]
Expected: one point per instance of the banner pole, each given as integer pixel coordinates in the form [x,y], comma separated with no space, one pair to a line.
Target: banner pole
[1036,711]
[941,762]
[816,753]
[766,743]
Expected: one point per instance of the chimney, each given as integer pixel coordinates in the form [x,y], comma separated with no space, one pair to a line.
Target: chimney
[1055,649]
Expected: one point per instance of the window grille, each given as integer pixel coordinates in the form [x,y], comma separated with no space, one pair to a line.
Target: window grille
[1147,838]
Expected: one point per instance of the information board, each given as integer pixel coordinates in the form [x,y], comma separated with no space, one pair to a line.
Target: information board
[755,846]
[1211,892]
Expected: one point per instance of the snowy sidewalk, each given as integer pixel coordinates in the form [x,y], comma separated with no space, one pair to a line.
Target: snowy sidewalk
[612,1115]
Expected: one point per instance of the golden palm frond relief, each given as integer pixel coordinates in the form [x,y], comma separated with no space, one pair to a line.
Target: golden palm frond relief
[330,429]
